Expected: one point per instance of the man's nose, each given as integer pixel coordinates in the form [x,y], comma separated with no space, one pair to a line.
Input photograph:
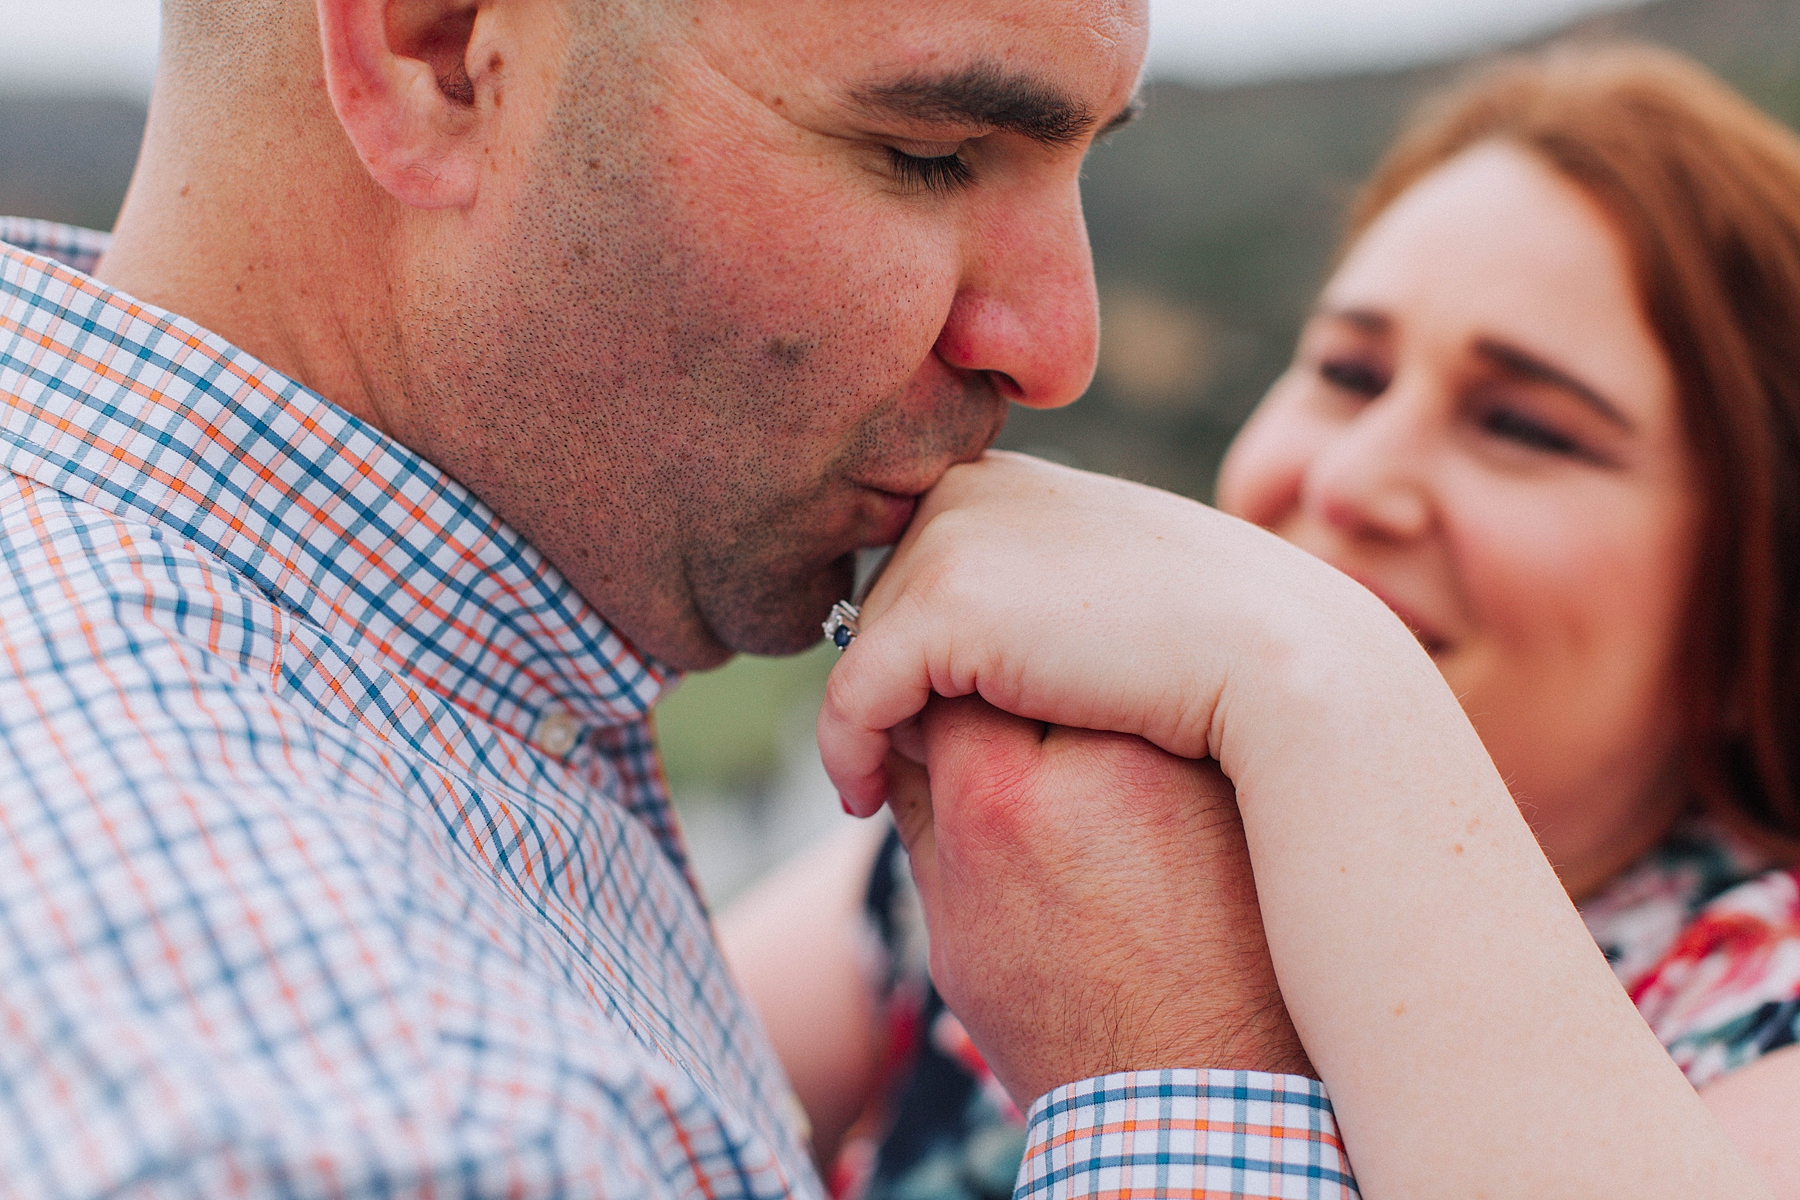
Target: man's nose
[1026,312]
[1370,478]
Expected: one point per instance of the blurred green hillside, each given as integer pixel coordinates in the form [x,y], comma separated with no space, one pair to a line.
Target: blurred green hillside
[1212,219]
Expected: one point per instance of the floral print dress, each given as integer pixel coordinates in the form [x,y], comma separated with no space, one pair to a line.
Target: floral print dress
[1703,932]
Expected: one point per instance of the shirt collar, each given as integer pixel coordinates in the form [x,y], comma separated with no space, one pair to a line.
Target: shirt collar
[148,416]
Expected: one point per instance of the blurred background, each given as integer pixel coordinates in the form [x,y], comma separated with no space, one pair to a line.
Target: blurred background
[1212,221]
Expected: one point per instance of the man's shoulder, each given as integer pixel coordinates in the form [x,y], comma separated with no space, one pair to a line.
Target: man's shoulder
[233,916]
[134,663]
[89,594]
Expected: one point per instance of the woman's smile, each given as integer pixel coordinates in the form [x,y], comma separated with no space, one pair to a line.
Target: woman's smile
[1503,466]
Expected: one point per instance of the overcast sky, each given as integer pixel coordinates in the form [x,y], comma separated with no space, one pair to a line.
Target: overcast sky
[110,45]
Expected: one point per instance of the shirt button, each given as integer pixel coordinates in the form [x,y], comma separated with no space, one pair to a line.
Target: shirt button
[555,733]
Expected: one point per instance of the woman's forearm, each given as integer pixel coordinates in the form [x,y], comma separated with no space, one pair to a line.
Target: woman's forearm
[804,924]
[1472,1037]
[1759,1108]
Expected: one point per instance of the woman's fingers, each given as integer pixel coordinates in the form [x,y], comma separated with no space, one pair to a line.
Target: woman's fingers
[1007,585]
[1061,597]
[873,688]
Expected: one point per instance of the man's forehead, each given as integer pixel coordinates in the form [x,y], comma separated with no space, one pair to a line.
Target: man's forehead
[1048,66]
[1087,32]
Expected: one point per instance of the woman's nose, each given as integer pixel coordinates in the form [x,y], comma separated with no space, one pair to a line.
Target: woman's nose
[1370,479]
[1026,311]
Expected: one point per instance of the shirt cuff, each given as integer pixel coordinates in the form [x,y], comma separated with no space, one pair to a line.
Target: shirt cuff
[1185,1133]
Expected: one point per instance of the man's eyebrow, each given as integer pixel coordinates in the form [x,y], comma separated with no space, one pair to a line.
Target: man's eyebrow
[984,96]
[1517,362]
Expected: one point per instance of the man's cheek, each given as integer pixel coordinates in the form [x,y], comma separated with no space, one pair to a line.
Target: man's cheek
[873,299]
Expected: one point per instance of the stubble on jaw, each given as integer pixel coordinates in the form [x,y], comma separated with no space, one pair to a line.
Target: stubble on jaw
[767,590]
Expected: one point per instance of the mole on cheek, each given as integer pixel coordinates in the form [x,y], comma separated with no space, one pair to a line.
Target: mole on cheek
[789,352]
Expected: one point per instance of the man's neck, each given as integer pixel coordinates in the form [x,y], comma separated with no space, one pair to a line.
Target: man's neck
[234,236]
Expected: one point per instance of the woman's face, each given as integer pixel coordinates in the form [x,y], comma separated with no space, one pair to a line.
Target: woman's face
[1481,428]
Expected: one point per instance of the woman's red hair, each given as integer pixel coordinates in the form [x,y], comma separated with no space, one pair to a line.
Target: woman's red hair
[1704,192]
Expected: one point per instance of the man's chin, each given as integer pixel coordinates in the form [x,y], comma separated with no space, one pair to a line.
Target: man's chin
[777,622]
[778,644]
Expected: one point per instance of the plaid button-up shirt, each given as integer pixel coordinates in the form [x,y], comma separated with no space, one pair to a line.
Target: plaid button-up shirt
[335,857]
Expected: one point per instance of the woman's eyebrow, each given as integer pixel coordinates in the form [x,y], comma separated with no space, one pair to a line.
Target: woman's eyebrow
[1367,320]
[1517,362]
[986,97]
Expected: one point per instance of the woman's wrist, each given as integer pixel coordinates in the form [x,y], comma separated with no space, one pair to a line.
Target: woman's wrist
[1313,664]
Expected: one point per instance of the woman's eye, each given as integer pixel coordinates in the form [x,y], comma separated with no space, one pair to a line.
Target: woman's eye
[1357,378]
[945,174]
[1514,427]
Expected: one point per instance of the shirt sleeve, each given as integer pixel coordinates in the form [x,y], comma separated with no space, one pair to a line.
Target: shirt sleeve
[1185,1133]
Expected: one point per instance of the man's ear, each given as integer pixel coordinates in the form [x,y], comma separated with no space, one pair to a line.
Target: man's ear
[403,86]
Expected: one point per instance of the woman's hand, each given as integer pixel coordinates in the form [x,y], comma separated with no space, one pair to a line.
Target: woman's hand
[1085,601]
[1473,1038]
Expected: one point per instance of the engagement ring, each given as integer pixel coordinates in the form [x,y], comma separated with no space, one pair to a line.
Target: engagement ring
[840,626]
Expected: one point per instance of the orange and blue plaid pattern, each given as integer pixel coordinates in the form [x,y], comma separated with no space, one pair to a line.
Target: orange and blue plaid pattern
[1185,1133]
[335,856]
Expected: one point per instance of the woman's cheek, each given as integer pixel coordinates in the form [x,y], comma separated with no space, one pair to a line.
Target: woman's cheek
[1523,565]
[1565,604]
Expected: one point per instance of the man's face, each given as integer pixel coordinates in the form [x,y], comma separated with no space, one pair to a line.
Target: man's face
[771,268]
